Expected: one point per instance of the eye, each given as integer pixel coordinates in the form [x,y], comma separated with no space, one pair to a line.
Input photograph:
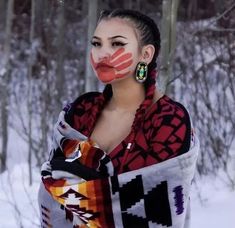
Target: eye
[95,43]
[118,44]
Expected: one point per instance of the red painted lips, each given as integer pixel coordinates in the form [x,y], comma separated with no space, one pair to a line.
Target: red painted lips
[108,69]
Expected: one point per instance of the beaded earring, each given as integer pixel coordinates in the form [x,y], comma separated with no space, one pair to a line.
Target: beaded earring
[141,72]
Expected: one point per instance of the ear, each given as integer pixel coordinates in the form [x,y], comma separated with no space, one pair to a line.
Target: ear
[147,53]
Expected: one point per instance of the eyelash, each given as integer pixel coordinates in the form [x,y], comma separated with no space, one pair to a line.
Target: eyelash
[95,43]
[117,43]
[114,44]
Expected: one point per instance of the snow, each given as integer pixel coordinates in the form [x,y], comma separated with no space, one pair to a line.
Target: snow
[217,212]
[215,207]
[18,201]
[212,200]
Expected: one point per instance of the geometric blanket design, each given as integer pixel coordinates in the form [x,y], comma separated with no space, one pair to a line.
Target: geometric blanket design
[154,196]
[144,182]
[156,203]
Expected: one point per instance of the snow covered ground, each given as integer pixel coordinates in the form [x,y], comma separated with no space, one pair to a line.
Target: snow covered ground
[212,202]
[18,200]
[215,208]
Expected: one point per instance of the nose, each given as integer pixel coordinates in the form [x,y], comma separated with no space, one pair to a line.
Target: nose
[104,53]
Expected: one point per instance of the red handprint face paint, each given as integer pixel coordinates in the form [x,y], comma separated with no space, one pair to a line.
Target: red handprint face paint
[113,67]
[115,50]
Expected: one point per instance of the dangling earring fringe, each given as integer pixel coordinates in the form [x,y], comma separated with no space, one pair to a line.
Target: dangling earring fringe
[141,72]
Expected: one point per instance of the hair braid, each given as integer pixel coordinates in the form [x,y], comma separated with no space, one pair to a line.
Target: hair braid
[150,89]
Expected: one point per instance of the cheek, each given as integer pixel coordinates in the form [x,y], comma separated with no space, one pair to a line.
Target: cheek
[134,57]
[134,63]
[92,60]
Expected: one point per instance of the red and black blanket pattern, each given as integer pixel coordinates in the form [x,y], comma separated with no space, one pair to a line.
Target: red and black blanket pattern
[165,133]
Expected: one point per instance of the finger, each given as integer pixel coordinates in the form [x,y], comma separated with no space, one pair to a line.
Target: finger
[63,125]
[117,53]
[121,59]
[61,116]
[124,65]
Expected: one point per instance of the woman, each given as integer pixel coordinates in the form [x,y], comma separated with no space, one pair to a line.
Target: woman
[124,157]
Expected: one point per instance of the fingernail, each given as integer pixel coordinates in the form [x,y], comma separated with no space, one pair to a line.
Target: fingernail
[61,124]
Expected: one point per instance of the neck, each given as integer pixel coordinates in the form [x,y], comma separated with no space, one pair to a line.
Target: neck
[127,95]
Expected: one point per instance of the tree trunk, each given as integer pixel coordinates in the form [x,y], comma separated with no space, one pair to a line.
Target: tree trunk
[60,78]
[132,4]
[29,98]
[192,9]
[128,4]
[2,13]
[4,85]
[90,83]
[168,32]
[84,8]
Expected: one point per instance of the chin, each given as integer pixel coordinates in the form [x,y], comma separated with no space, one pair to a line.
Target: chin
[121,80]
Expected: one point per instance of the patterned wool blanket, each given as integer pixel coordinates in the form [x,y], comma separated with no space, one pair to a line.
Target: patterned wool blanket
[82,181]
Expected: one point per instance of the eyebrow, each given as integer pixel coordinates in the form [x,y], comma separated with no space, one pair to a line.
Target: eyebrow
[110,38]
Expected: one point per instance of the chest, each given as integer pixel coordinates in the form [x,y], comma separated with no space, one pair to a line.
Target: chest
[111,129]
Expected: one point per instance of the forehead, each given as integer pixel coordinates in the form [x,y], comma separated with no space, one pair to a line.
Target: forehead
[115,27]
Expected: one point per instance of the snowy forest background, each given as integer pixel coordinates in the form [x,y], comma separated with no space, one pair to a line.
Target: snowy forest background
[44,46]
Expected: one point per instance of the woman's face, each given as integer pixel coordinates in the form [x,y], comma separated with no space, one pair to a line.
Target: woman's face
[115,51]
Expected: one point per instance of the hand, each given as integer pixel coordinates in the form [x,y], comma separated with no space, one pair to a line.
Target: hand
[63,131]
[66,130]
[98,164]
[62,169]
[46,170]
